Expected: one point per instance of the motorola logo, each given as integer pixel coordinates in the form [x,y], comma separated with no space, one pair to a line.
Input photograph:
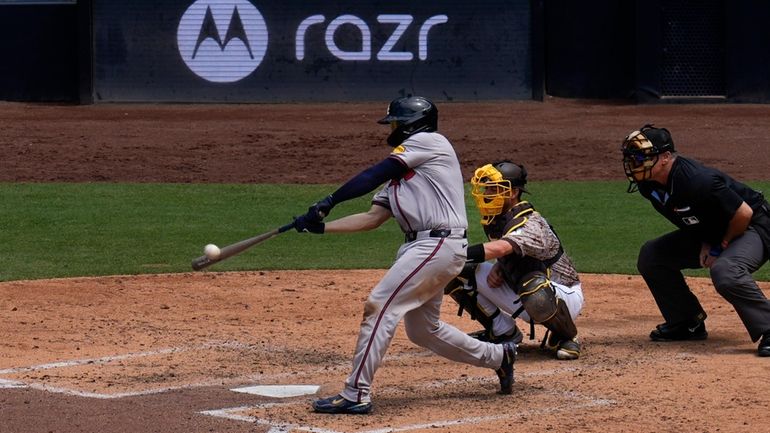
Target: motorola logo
[222,41]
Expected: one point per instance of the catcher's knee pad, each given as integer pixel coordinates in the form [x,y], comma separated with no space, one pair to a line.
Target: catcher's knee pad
[537,296]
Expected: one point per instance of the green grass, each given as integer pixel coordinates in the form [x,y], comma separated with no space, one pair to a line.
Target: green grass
[64,230]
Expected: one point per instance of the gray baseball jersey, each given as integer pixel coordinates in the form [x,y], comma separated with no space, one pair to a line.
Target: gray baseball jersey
[430,196]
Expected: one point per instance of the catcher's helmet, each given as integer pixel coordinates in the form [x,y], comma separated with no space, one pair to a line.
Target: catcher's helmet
[492,185]
[640,152]
[408,116]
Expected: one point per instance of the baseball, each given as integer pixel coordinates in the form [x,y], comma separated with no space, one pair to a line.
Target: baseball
[211,251]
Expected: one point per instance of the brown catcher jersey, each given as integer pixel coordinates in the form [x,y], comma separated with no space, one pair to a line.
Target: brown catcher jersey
[540,247]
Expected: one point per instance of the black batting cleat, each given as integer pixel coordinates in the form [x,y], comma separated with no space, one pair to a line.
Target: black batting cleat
[338,404]
[679,332]
[764,345]
[505,372]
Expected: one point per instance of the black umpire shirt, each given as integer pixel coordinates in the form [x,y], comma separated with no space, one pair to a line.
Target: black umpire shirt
[701,200]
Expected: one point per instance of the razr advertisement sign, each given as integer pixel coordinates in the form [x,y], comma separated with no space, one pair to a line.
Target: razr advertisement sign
[269,51]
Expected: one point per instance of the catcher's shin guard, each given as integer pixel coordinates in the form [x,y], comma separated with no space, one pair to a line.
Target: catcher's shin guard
[466,299]
[561,323]
[467,277]
[469,274]
[539,299]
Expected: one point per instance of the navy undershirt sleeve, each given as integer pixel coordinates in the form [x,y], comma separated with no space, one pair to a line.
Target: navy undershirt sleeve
[369,179]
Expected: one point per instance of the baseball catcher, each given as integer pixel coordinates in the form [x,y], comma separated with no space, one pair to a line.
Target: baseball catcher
[533,278]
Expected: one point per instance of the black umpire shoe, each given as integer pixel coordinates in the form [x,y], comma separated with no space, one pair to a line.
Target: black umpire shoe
[679,332]
[764,345]
[505,372]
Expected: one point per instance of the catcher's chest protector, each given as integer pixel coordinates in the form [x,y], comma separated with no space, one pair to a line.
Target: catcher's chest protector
[513,265]
[509,221]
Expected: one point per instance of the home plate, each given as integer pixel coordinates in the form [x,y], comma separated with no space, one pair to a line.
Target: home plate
[279,391]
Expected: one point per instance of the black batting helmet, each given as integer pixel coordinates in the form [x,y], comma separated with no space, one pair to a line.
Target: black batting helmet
[408,116]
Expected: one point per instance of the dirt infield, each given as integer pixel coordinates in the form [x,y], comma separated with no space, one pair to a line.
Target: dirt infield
[162,353]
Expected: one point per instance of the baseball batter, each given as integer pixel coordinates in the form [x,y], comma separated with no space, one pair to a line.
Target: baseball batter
[424,192]
[533,278]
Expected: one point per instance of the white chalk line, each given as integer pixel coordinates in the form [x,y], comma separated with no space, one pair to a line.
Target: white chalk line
[112,358]
[131,355]
[263,378]
[11,384]
[95,361]
[5,384]
[235,414]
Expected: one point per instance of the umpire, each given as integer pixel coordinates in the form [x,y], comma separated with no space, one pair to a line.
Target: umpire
[723,225]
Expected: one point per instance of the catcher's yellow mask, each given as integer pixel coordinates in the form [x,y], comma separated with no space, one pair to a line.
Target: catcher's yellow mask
[490,191]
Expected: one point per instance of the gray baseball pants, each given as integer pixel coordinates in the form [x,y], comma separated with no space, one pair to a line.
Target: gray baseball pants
[413,289]
[661,261]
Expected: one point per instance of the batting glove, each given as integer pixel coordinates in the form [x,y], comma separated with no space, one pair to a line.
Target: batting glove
[303,225]
[320,210]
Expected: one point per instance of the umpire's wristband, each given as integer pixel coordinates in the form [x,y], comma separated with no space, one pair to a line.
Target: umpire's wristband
[476,254]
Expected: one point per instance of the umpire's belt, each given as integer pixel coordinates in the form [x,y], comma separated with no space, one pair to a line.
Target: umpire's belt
[435,233]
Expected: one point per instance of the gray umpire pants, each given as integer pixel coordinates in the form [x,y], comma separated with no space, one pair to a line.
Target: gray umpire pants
[661,262]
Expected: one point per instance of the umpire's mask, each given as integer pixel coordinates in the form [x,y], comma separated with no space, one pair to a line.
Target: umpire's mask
[640,153]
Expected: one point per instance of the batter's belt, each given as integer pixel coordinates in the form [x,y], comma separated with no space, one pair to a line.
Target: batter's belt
[435,233]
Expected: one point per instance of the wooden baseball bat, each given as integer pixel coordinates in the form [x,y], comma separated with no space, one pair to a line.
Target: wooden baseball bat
[238,247]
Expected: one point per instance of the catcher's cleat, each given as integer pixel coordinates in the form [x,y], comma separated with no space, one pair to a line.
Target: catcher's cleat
[564,350]
[764,345]
[339,405]
[550,341]
[695,330]
[568,350]
[505,372]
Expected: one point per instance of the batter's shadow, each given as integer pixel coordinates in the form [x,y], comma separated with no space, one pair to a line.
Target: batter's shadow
[472,396]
